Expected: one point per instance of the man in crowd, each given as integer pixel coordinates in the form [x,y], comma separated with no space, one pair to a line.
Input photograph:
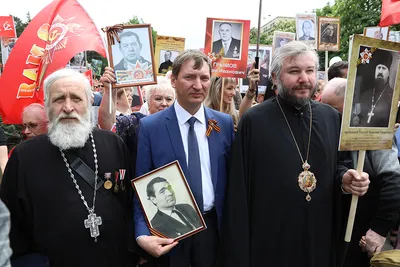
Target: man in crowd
[230,45]
[377,211]
[286,186]
[375,101]
[171,219]
[307,30]
[130,47]
[179,133]
[34,120]
[338,70]
[60,205]
[167,64]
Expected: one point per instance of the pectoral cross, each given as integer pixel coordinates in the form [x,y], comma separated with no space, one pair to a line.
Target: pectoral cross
[370,114]
[93,222]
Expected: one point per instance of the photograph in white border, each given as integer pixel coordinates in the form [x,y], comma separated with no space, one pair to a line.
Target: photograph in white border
[168,203]
[227,37]
[166,59]
[377,32]
[306,28]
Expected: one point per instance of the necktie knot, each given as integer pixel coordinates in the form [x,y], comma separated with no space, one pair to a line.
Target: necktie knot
[191,121]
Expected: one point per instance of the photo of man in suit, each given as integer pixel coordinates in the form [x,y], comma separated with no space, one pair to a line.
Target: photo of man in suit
[171,219]
[227,43]
[179,133]
[130,48]
[307,28]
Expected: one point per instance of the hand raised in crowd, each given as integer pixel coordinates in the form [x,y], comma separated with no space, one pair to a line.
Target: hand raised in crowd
[372,242]
[355,183]
[156,246]
[253,76]
[108,77]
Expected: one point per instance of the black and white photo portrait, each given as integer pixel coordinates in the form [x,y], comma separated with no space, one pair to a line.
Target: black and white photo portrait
[307,30]
[167,57]
[329,33]
[132,56]
[167,202]
[381,33]
[227,39]
[373,88]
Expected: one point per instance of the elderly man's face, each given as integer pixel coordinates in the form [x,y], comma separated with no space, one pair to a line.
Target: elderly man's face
[382,73]
[164,196]
[225,32]
[298,77]
[33,124]
[130,48]
[68,101]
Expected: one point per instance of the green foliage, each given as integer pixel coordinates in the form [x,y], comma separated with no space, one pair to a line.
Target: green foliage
[136,20]
[283,26]
[354,15]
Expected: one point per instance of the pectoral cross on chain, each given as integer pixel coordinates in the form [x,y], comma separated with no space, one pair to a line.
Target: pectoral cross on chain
[370,114]
[93,222]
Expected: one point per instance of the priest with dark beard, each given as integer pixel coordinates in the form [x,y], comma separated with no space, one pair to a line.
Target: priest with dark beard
[287,181]
[69,191]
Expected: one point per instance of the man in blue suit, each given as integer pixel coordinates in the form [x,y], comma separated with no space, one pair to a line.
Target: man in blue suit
[179,133]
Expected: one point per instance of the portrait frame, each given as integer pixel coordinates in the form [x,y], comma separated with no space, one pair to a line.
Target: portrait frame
[139,73]
[369,32]
[365,127]
[167,43]
[281,36]
[324,44]
[263,51]
[158,222]
[301,19]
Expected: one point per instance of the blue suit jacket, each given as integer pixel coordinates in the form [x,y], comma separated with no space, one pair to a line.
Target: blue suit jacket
[160,142]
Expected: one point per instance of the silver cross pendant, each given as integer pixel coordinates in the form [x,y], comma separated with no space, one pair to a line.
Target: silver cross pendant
[93,222]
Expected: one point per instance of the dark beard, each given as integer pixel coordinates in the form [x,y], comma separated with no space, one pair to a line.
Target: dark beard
[295,101]
[380,83]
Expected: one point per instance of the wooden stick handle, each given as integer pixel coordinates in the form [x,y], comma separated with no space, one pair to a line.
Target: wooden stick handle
[354,199]
[221,103]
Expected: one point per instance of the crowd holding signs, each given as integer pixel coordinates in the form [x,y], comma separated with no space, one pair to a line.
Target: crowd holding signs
[180,153]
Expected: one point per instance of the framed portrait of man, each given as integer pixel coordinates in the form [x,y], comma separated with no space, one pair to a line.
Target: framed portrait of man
[168,203]
[372,95]
[78,62]
[265,55]
[227,39]
[167,49]
[167,58]
[328,34]
[132,56]
[281,38]
[381,33]
[306,28]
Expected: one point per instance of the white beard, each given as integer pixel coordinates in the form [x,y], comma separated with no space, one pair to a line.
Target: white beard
[70,135]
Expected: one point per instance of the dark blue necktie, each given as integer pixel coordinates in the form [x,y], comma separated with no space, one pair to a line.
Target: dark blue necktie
[194,165]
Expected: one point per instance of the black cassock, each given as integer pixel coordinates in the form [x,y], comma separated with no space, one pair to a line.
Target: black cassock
[47,214]
[268,221]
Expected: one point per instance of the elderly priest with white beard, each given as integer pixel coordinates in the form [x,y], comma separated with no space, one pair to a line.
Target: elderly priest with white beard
[69,191]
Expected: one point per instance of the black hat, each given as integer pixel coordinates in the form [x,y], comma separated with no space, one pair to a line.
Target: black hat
[383,57]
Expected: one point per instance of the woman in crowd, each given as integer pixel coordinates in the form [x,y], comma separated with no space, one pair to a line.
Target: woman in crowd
[124,101]
[213,99]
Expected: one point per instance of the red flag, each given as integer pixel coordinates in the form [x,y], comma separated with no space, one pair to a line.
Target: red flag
[390,13]
[7,27]
[89,75]
[57,33]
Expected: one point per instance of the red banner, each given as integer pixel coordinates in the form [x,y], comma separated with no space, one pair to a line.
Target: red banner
[7,27]
[89,75]
[390,13]
[57,33]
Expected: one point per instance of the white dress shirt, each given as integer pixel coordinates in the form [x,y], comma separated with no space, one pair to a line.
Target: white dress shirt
[200,128]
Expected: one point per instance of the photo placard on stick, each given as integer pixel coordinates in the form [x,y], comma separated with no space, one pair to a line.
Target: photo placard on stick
[372,94]
[167,49]
[168,203]
[132,57]
[328,34]
[265,55]
[281,38]
[227,43]
[306,28]
[381,33]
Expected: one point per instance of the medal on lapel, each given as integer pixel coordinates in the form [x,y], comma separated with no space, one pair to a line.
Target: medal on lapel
[122,177]
[116,187]
[108,183]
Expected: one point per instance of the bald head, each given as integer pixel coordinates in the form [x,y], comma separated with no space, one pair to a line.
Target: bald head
[333,93]
[34,120]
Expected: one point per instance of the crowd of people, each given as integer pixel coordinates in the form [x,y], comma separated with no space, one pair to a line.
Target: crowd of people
[270,184]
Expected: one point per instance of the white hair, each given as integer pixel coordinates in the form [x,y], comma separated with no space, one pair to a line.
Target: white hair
[163,85]
[60,74]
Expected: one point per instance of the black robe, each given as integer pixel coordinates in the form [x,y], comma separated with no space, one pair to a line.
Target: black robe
[47,214]
[267,220]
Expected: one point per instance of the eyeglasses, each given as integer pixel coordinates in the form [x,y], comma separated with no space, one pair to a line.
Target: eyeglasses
[97,86]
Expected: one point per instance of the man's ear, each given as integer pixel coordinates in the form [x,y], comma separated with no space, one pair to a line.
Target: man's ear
[153,200]
[173,80]
[274,78]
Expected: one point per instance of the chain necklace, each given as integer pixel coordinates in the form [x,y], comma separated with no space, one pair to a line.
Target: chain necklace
[93,221]
[307,181]
[373,104]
